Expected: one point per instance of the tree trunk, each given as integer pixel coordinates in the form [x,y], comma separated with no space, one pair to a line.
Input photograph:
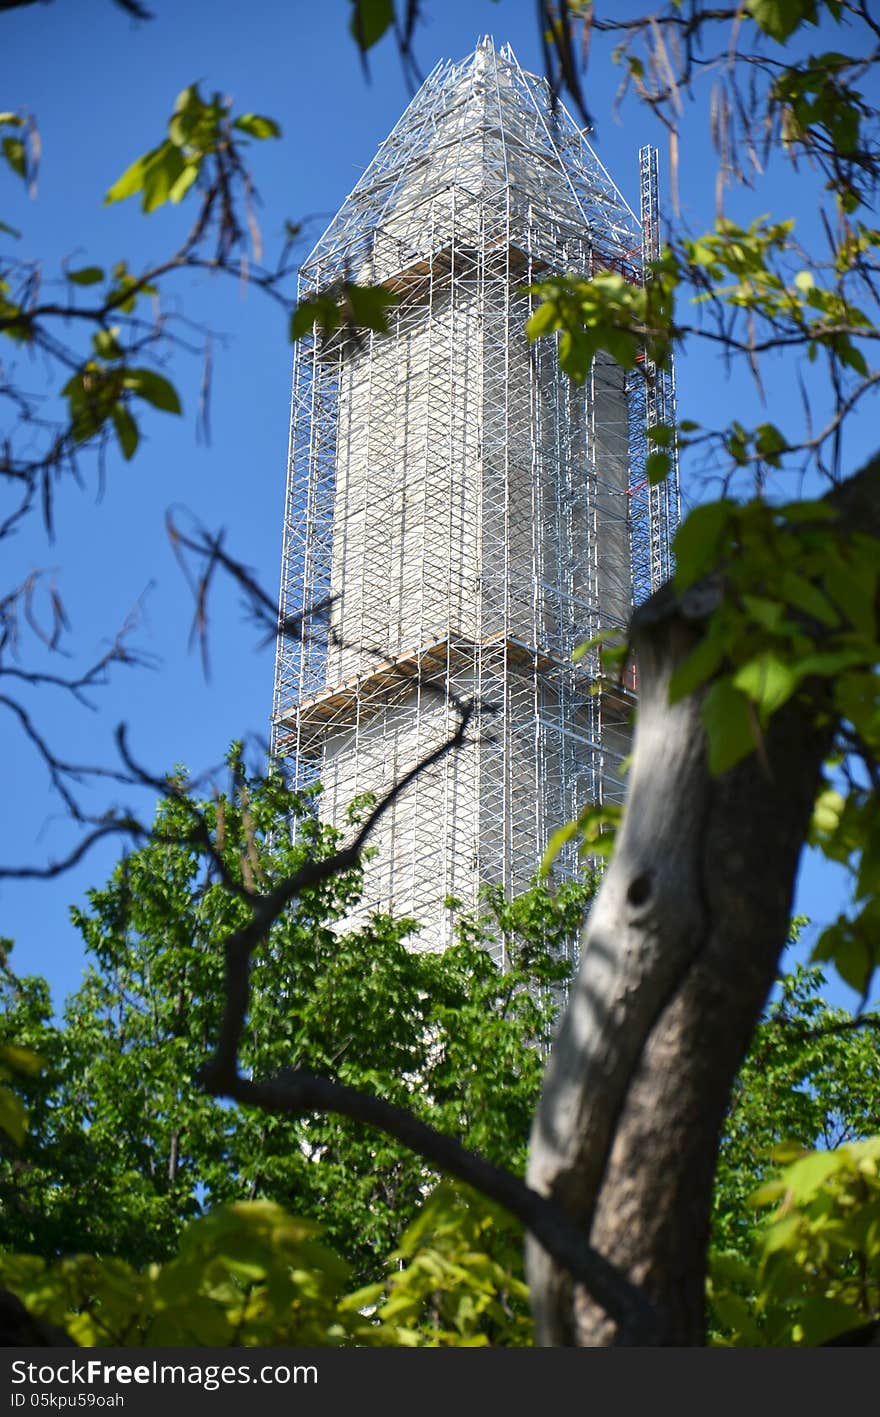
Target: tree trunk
[680,950]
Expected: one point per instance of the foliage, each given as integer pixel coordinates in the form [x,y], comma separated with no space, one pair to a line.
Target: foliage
[205,146]
[125,1146]
[809,1089]
[248,1274]
[790,585]
[17,1065]
[196,131]
[792,591]
[124,1216]
[105,338]
[460,1279]
[606,313]
[812,1079]
[796,618]
[127,1160]
[204,155]
[343,306]
[818,1273]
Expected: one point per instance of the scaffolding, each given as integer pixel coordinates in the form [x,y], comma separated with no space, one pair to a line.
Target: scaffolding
[469,512]
[655,510]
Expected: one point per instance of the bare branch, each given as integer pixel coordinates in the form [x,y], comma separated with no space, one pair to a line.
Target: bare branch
[111,826]
[207,547]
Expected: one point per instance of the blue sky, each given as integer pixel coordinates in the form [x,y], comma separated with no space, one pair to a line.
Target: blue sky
[101,87]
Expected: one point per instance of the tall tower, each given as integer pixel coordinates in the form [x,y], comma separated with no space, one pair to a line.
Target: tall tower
[471,514]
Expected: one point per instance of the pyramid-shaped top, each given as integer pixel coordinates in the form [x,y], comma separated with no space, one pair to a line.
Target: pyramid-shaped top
[479,137]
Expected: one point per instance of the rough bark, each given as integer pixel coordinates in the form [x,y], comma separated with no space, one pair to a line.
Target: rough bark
[652,1211]
[680,951]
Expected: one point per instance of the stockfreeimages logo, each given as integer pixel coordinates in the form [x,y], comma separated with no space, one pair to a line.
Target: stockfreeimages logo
[210,1376]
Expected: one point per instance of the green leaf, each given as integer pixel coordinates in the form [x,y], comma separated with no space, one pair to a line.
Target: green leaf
[809,1173]
[302,320]
[21,1060]
[657,465]
[735,1314]
[613,645]
[14,152]
[322,311]
[780,19]
[576,350]
[179,189]
[595,642]
[152,387]
[768,613]
[827,812]
[808,512]
[853,585]
[821,1318]
[698,541]
[369,21]
[131,181]
[807,597]
[161,176]
[782,1235]
[155,175]
[849,355]
[543,320]
[829,664]
[768,681]
[13,1117]
[725,715]
[728,1267]
[257,126]
[560,838]
[126,430]
[362,306]
[598,827]
[369,304]
[787,1152]
[844,945]
[106,343]
[769,442]
[853,962]
[88,275]
[362,1298]
[767,1194]
[622,346]
[700,665]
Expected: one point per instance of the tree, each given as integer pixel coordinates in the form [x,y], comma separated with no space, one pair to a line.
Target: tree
[91,1204]
[127,1164]
[811,1080]
[124,1148]
[757,726]
[756,666]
